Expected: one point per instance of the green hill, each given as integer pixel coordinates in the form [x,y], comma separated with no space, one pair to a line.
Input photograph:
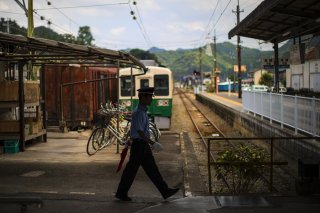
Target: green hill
[183,62]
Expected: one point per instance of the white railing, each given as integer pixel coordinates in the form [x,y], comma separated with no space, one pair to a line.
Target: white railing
[298,112]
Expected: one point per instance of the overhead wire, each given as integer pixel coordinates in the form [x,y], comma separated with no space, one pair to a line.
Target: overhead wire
[210,19]
[141,26]
[85,6]
[12,12]
[201,41]
[220,16]
[51,23]
[70,19]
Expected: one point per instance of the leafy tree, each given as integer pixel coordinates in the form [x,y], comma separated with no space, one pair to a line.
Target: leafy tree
[69,38]
[144,55]
[45,32]
[266,79]
[14,28]
[84,36]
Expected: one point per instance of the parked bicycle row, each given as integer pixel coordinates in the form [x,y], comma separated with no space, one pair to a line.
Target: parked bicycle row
[112,126]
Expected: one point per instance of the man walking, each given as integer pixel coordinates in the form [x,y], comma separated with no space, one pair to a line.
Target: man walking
[140,153]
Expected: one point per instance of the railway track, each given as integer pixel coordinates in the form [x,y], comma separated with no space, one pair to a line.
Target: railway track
[206,128]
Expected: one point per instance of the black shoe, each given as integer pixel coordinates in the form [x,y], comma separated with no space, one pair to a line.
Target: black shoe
[123,198]
[170,192]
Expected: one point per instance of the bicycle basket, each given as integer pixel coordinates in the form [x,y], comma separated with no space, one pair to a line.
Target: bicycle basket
[102,119]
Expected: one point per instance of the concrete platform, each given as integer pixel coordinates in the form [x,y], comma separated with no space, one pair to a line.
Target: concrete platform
[61,174]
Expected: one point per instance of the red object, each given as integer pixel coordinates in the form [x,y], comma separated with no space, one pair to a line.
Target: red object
[80,100]
[123,155]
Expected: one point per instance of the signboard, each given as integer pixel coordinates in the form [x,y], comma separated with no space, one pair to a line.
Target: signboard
[243,68]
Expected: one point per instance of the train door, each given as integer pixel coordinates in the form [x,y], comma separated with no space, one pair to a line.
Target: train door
[163,105]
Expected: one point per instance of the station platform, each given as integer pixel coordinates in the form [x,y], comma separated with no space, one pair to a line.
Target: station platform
[228,99]
[68,181]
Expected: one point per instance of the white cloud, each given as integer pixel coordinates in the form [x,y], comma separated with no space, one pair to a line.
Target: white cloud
[184,27]
[95,12]
[4,6]
[149,5]
[117,31]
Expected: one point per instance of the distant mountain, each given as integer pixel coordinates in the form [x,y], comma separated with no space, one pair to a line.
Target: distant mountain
[184,62]
[156,50]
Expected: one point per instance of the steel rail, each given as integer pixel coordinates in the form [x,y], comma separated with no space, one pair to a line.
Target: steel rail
[227,139]
[201,136]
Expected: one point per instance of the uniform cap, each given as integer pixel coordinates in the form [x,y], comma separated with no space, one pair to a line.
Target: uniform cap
[146,90]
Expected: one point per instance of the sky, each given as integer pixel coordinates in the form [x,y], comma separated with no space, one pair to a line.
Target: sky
[167,24]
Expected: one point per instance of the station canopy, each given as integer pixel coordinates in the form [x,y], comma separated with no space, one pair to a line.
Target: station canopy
[44,51]
[280,20]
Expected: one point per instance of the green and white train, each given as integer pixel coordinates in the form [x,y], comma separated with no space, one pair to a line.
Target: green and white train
[161,79]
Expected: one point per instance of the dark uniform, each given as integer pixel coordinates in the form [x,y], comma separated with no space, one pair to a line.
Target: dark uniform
[141,154]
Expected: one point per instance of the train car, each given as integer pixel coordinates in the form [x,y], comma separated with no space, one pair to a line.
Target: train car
[81,95]
[224,86]
[158,77]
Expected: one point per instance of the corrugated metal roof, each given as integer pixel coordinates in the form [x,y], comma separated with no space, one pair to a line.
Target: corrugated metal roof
[17,47]
[280,20]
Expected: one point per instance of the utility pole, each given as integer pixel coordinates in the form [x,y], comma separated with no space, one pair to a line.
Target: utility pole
[200,67]
[8,26]
[238,52]
[30,18]
[29,14]
[215,62]
[214,52]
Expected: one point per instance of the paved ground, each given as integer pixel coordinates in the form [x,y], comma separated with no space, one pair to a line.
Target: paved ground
[67,180]
[63,175]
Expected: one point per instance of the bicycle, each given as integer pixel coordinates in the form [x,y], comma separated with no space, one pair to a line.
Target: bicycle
[106,132]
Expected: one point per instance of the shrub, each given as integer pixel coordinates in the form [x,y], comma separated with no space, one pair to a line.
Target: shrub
[244,169]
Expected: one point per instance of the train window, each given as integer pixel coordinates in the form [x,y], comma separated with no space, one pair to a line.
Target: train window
[161,85]
[126,86]
[144,83]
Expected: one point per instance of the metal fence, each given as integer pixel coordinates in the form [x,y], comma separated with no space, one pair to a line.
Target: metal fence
[300,113]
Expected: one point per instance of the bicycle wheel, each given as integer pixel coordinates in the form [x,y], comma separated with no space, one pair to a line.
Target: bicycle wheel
[153,135]
[107,139]
[95,140]
[155,130]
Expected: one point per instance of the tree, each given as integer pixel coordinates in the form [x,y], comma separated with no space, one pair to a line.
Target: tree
[84,36]
[45,32]
[69,38]
[144,55]
[14,28]
[266,79]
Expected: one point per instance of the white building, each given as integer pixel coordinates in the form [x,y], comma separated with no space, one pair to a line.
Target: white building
[304,75]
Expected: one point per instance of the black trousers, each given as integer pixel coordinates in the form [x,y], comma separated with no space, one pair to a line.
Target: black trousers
[141,154]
